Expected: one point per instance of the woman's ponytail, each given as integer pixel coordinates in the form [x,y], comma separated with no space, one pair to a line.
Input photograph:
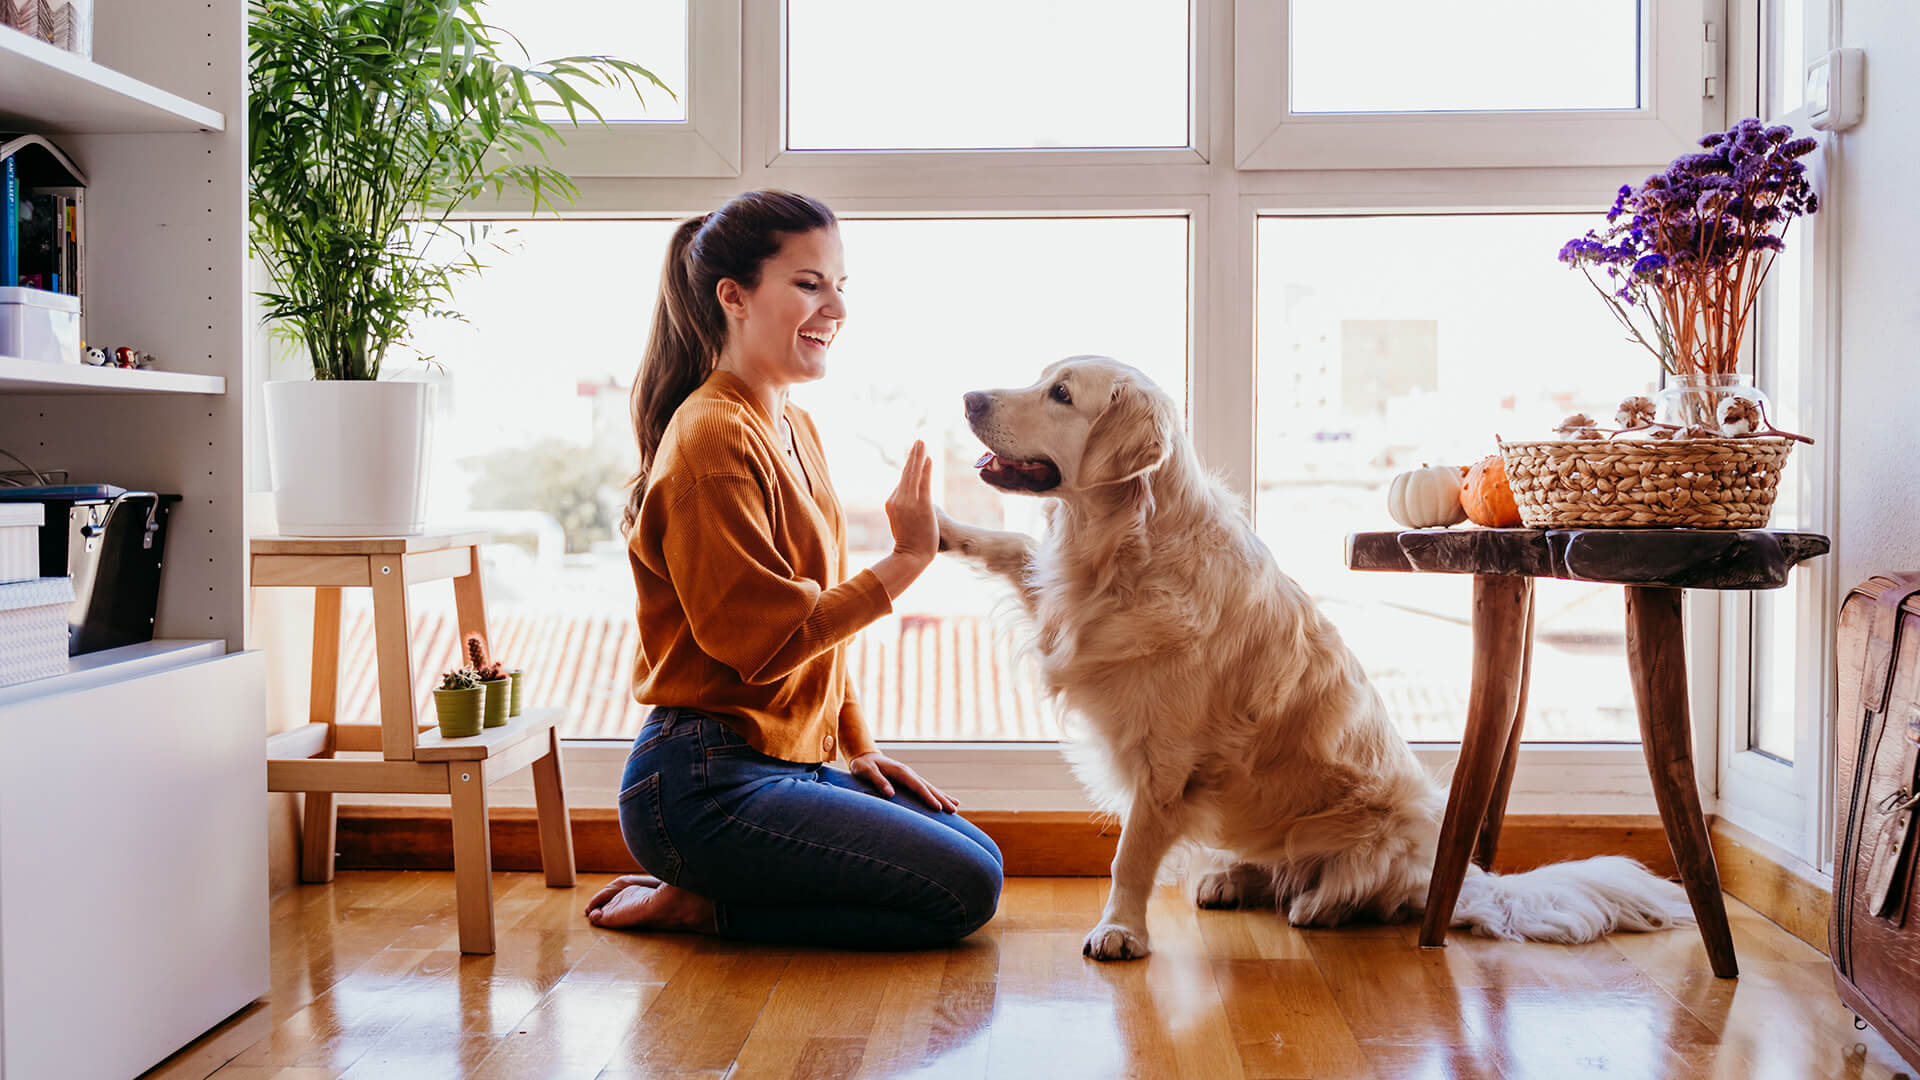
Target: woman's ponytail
[689,327]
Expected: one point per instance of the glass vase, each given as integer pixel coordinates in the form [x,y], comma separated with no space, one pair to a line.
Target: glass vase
[1693,401]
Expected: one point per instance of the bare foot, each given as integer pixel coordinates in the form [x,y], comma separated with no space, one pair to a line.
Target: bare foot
[643,902]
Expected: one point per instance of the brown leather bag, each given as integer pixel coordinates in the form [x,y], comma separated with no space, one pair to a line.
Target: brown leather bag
[1874,936]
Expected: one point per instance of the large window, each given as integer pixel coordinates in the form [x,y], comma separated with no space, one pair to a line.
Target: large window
[1496,55]
[652,34]
[1385,343]
[535,442]
[1330,228]
[994,74]
[937,308]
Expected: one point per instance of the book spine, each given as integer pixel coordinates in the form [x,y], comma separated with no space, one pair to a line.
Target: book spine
[10,242]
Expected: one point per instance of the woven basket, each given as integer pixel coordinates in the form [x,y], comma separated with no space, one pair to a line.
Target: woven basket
[1646,483]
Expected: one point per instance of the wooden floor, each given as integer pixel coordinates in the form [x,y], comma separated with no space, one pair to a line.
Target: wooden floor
[368,982]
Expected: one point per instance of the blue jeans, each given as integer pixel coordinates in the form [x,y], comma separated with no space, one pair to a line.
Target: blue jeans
[799,854]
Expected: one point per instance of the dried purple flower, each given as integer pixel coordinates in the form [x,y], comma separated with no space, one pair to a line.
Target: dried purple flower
[1687,251]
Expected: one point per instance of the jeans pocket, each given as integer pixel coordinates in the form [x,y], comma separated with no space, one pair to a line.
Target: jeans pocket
[643,825]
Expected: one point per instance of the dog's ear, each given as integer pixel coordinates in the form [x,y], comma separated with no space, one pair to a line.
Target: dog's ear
[1129,439]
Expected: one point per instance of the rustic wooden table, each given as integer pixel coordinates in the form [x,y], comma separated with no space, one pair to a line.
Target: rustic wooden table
[1655,565]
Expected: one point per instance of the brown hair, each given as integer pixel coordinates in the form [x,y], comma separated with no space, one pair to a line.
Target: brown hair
[689,326]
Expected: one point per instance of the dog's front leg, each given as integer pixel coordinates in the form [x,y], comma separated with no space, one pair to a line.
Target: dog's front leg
[1008,554]
[1150,830]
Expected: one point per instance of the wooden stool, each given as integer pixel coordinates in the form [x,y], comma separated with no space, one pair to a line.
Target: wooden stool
[414,756]
[1654,565]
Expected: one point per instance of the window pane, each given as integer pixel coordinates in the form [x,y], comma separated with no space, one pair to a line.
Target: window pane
[938,308]
[534,443]
[994,74]
[1786,56]
[1776,611]
[651,33]
[1386,342]
[1492,55]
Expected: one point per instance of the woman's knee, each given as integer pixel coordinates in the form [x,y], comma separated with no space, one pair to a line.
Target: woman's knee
[975,882]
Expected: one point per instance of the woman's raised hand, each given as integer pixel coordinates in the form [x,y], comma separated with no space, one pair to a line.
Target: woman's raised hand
[916,533]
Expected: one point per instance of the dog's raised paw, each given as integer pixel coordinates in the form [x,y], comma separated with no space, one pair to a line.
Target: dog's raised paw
[1111,941]
[953,535]
[1218,889]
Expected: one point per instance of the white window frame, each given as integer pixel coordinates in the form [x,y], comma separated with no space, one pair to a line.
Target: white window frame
[1222,199]
[1790,804]
[1269,135]
[766,49]
[706,143]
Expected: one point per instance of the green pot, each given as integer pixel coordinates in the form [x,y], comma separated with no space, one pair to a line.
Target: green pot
[513,705]
[498,691]
[460,711]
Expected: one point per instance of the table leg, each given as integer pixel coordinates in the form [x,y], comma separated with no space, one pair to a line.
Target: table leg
[1656,657]
[1483,851]
[472,856]
[393,658]
[556,829]
[317,820]
[1500,625]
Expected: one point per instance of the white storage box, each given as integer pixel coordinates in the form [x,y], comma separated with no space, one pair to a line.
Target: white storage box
[33,628]
[39,325]
[20,540]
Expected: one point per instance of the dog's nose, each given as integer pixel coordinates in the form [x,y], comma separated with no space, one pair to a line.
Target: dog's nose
[977,403]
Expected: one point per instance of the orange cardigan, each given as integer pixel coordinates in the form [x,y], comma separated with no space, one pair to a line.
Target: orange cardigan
[745,605]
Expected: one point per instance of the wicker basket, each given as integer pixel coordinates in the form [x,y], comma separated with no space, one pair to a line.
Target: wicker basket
[1646,483]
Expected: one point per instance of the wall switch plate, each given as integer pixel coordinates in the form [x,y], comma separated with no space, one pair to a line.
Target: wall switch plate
[1837,89]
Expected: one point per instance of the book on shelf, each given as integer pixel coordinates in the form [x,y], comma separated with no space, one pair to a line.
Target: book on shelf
[43,219]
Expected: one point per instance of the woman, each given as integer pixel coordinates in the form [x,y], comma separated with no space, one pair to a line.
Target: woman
[738,548]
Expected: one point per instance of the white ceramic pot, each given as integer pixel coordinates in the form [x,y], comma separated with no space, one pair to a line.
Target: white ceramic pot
[349,458]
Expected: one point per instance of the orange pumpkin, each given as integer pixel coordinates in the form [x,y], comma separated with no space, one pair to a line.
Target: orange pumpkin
[1485,494]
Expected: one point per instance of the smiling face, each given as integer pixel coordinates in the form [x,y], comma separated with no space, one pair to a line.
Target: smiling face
[1088,422]
[778,332]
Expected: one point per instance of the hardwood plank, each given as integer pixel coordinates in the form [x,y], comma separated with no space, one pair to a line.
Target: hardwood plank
[700,1019]
[368,982]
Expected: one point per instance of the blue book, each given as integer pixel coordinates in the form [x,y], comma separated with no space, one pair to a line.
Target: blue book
[10,242]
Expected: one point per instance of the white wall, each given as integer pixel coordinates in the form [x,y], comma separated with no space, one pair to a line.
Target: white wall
[1879,288]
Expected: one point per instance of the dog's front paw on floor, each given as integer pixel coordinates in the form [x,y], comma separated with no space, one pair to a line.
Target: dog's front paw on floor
[1218,889]
[1111,941]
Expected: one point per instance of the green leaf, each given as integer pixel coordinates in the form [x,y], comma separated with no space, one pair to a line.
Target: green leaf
[369,122]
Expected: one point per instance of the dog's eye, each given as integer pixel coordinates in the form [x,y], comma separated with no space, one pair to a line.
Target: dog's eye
[1061,395]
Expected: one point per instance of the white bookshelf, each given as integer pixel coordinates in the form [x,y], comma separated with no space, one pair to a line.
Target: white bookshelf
[19,376]
[113,665]
[142,761]
[52,91]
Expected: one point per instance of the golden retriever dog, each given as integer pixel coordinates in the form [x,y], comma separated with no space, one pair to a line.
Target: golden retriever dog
[1220,708]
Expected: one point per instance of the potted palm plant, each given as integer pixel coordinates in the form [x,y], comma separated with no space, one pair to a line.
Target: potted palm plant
[369,123]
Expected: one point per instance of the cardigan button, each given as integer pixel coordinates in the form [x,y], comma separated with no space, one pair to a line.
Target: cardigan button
[827,744]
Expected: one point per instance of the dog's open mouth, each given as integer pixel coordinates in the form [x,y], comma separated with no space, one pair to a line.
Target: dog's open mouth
[1039,475]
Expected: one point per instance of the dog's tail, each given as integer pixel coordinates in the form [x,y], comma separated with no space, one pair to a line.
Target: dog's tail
[1570,902]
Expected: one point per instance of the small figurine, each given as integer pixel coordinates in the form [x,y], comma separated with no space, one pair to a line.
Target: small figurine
[95,356]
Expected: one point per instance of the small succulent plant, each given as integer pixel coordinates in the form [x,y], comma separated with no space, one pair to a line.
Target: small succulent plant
[460,679]
[486,668]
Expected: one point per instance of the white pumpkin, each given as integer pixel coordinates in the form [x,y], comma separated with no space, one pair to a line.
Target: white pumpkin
[1426,497]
